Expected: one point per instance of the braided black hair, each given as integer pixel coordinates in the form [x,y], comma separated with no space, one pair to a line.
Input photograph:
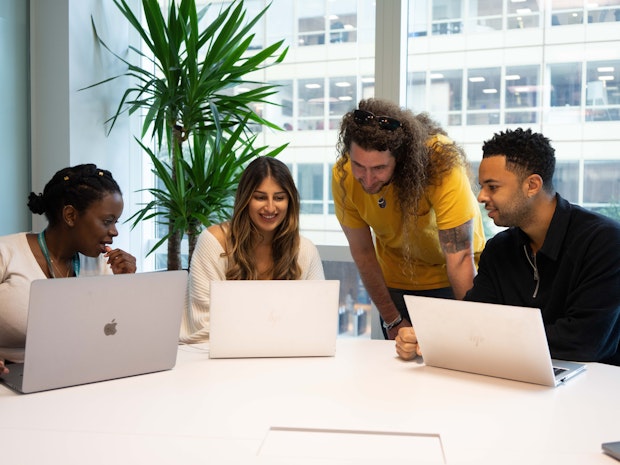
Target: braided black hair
[79,186]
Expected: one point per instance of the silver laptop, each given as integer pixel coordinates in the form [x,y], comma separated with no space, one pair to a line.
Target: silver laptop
[99,328]
[488,339]
[273,318]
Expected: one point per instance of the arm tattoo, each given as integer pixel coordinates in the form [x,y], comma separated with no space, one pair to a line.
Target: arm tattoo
[456,239]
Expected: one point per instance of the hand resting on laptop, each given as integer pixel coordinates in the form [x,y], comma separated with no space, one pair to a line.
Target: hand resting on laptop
[3,370]
[407,346]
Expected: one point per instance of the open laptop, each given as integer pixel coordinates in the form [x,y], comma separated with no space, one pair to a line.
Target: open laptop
[488,339]
[83,330]
[273,318]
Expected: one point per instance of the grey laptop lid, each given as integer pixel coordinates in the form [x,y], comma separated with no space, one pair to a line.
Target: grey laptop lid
[495,340]
[99,328]
[273,318]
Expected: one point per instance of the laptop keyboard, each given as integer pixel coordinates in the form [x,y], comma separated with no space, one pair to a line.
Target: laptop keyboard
[557,371]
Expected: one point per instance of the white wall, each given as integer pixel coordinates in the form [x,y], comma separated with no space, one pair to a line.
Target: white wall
[68,124]
[15,167]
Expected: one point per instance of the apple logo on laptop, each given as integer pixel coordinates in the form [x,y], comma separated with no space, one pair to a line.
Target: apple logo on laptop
[110,328]
[274,317]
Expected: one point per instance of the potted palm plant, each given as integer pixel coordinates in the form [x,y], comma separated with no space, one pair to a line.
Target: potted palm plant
[199,121]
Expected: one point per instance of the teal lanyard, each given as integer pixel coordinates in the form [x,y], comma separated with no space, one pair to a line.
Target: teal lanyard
[43,245]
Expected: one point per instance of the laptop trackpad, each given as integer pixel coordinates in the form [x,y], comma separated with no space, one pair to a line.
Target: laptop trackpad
[352,445]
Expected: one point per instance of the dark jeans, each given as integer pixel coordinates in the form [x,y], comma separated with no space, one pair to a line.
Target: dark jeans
[399,300]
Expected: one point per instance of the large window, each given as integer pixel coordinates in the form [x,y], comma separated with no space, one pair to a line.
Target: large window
[603,90]
[483,96]
[476,67]
[511,65]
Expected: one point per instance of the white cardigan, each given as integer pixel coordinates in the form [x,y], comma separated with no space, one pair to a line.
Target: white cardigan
[208,265]
[18,268]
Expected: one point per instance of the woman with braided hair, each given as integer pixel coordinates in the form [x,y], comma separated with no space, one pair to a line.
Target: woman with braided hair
[82,205]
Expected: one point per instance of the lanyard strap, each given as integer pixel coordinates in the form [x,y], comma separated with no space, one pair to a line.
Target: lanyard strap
[75,261]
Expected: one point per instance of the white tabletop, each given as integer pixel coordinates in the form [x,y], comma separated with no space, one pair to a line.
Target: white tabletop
[221,411]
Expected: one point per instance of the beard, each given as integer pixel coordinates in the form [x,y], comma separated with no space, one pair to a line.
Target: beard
[514,214]
[376,188]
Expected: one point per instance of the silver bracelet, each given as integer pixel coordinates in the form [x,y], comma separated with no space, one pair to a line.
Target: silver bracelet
[396,322]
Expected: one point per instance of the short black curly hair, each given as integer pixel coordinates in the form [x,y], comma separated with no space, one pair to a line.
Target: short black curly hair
[526,153]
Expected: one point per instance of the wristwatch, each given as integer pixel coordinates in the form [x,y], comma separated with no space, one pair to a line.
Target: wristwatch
[396,322]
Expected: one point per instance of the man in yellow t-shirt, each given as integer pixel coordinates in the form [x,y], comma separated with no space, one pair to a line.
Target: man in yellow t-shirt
[400,178]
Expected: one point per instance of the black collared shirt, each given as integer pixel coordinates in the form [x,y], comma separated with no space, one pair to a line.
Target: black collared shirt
[574,279]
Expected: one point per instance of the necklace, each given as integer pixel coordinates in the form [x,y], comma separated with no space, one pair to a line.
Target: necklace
[50,263]
[381,202]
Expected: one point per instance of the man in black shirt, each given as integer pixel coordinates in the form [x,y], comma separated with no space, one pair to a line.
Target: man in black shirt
[556,256]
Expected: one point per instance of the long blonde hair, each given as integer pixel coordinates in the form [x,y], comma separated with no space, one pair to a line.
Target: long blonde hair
[243,235]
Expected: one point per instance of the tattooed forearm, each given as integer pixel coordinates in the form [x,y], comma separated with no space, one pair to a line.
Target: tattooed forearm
[457,239]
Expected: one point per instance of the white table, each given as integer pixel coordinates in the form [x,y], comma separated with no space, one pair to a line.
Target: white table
[221,411]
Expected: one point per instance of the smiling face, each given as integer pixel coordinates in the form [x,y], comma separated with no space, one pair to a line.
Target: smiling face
[503,192]
[95,227]
[372,168]
[268,206]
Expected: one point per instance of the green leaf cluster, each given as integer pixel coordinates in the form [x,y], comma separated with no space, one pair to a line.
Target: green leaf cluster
[186,81]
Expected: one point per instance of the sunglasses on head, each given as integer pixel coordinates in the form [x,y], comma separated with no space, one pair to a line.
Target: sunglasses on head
[384,122]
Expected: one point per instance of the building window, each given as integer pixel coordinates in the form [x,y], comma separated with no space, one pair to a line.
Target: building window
[311,104]
[484,16]
[603,90]
[567,13]
[566,179]
[522,94]
[281,13]
[342,98]
[447,17]
[483,96]
[310,179]
[523,14]
[601,183]
[282,112]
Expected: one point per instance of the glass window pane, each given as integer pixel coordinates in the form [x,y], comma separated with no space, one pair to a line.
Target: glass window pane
[311,104]
[416,91]
[603,91]
[418,18]
[483,88]
[342,21]
[564,13]
[522,92]
[445,99]
[342,98]
[311,22]
[253,7]
[368,87]
[310,186]
[522,86]
[566,180]
[354,308]
[483,96]
[282,112]
[601,182]
[524,21]
[522,7]
[484,15]
[565,84]
[330,199]
[605,14]
[281,13]
[523,14]
[448,83]
[447,17]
